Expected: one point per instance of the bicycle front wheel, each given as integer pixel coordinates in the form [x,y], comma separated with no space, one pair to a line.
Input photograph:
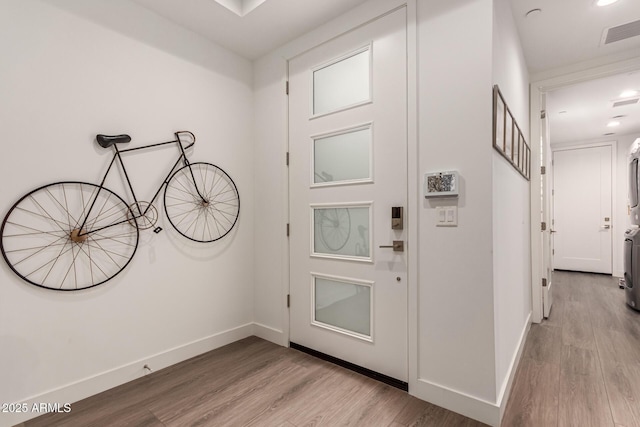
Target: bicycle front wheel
[202,202]
[45,242]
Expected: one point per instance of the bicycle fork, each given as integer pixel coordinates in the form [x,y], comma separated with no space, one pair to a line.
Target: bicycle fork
[204,201]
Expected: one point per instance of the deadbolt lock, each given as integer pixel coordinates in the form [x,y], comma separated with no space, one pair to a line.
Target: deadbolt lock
[397,220]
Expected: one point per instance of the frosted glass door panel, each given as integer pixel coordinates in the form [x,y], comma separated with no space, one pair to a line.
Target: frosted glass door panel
[342,158]
[342,306]
[342,84]
[341,232]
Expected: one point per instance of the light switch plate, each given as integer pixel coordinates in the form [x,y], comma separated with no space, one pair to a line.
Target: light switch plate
[447,216]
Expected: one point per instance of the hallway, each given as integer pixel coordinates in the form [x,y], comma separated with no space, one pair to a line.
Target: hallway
[581,367]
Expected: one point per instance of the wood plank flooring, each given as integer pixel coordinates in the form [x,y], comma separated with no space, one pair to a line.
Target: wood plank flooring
[254,383]
[581,367]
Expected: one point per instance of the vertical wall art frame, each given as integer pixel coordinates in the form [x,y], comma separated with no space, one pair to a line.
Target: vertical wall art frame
[508,138]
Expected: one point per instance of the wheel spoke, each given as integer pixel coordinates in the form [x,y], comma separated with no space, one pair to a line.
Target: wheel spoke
[52,260]
[39,249]
[201,202]
[63,207]
[42,242]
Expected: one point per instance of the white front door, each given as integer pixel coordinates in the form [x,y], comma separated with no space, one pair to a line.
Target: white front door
[347,175]
[582,209]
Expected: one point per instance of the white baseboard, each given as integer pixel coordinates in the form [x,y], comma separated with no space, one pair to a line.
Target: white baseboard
[98,383]
[471,406]
[505,392]
[268,333]
[456,401]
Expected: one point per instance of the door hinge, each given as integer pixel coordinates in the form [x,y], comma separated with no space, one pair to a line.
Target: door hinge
[543,226]
[543,114]
[288,229]
[543,170]
[288,300]
[553,251]
[287,158]
[544,282]
[286,87]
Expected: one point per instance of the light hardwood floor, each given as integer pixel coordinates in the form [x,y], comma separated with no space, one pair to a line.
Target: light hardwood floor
[253,382]
[581,367]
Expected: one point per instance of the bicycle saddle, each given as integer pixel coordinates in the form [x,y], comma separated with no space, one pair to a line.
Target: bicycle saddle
[107,141]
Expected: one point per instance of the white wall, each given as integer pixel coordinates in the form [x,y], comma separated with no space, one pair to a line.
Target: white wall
[456,338]
[62,80]
[620,184]
[271,246]
[511,207]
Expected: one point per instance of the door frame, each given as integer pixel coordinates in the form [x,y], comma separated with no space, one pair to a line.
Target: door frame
[613,181]
[318,38]
[537,89]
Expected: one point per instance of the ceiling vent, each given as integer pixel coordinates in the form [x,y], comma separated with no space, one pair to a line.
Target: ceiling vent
[621,32]
[624,102]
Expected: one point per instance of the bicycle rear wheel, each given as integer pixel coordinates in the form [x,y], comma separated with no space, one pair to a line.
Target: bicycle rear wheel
[44,244]
[202,202]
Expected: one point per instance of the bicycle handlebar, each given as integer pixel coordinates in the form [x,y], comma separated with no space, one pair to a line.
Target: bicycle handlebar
[191,138]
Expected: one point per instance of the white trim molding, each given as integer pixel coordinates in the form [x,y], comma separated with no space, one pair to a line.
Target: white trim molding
[490,413]
[98,383]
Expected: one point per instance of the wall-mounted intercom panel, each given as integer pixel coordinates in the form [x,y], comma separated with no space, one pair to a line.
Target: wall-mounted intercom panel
[441,184]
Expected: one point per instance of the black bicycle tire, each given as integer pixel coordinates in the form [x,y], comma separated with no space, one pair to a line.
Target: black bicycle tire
[17,203]
[322,234]
[231,182]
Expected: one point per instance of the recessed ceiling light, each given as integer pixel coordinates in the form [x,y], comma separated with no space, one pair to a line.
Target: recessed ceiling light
[240,7]
[605,2]
[613,124]
[629,93]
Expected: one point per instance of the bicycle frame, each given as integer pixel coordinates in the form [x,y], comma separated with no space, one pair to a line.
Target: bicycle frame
[182,157]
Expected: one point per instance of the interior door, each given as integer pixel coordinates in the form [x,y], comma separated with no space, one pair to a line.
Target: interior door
[347,178]
[547,259]
[582,218]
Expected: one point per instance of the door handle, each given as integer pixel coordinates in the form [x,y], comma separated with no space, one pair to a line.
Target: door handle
[606,227]
[398,246]
[552,231]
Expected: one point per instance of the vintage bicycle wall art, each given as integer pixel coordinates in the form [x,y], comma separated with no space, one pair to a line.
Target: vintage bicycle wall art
[73,235]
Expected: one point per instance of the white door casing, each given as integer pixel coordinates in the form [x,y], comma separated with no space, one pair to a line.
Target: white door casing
[539,87]
[545,199]
[582,209]
[348,168]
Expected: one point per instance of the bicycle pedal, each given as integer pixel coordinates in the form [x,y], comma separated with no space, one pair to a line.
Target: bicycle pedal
[157,230]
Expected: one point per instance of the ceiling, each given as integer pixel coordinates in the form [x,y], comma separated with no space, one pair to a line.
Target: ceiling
[269,25]
[567,32]
[561,33]
[581,112]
